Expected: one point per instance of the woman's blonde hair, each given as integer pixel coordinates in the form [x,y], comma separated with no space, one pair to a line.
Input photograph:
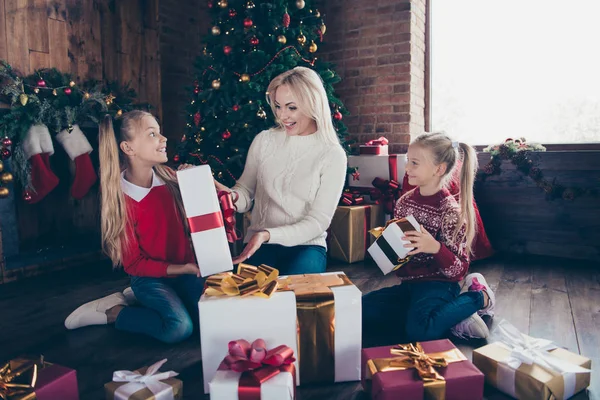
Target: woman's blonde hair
[113,161]
[446,151]
[308,87]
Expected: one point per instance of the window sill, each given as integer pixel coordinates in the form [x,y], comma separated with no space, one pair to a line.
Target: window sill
[560,147]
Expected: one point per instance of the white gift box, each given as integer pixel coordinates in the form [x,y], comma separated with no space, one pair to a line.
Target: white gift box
[206,221]
[223,319]
[224,386]
[388,249]
[388,167]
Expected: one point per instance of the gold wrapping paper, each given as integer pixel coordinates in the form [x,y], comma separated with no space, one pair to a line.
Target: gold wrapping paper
[14,373]
[315,309]
[347,232]
[531,381]
[248,281]
[144,394]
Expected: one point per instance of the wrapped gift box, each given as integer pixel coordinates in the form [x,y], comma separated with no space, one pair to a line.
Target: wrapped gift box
[146,383]
[377,147]
[349,235]
[388,250]
[205,219]
[321,316]
[53,381]
[225,385]
[391,375]
[387,167]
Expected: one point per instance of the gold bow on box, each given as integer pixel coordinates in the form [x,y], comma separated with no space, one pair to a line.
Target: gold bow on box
[405,226]
[16,370]
[248,281]
[413,356]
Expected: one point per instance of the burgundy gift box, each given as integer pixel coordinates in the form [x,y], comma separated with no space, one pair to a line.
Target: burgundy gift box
[53,381]
[463,381]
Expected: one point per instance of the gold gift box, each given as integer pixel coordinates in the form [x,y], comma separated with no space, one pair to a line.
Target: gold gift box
[145,393]
[349,237]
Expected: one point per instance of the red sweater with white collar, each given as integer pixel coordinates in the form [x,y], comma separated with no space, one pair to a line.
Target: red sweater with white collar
[439,214]
[155,233]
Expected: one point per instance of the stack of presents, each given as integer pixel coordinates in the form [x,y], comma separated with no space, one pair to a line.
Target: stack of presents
[262,334]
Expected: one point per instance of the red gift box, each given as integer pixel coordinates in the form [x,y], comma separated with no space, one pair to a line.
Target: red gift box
[52,382]
[386,380]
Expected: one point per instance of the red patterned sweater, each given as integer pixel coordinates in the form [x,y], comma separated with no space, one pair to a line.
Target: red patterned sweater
[439,214]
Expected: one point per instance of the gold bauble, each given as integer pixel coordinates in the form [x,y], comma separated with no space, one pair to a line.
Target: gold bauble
[301,39]
[71,83]
[323,28]
[216,31]
[216,84]
[54,92]
[317,14]
[261,113]
[6,177]
[282,39]
[300,4]
[4,192]
[313,47]
[36,90]
[250,5]
[23,98]
[119,113]
[245,125]
[245,78]
[86,96]
[222,3]
[1,166]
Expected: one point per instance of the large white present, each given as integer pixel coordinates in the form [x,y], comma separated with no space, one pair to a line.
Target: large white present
[205,220]
[388,250]
[387,167]
[318,313]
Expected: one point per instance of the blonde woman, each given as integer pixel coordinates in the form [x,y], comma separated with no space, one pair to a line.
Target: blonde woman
[144,230]
[293,178]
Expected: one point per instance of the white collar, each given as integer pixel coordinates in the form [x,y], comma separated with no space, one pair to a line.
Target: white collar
[136,192]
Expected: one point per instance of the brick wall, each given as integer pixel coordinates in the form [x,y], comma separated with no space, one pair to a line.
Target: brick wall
[378,47]
[182,26]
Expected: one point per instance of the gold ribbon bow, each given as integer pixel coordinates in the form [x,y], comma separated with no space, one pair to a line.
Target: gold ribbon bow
[413,356]
[248,281]
[11,371]
[404,225]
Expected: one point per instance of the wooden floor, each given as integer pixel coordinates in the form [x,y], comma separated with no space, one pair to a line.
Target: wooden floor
[554,299]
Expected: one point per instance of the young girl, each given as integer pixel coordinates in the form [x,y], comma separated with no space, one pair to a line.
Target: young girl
[143,229]
[428,304]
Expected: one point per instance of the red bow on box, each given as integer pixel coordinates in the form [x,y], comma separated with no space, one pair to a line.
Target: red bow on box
[381,141]
[386,193]
[375,147]
[257,365]
[352,198]
[228,209]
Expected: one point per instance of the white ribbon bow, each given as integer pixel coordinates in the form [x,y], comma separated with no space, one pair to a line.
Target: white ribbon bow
[151,380]
[529,350]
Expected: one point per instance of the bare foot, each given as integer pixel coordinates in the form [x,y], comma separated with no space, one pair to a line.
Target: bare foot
[113,313]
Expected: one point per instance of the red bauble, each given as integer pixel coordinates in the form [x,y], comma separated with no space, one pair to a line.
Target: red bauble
[286,20]
[26,196]
[197,118]
[236,107]
[5,153]
[226,135]
[232,13]
[210,4]
[176,158]
[41,83]
[248,23]
[67,91]
[227,50]
[6,142]
[254,41]
[337,116]
[196,90]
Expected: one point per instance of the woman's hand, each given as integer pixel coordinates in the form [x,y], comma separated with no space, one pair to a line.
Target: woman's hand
[184,166]
[185,269]
[253,245]
[422,242]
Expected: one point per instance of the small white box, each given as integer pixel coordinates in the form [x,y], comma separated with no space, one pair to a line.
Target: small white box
[200,201]
[388,167]
[223,319]
[224,386]
[388,249]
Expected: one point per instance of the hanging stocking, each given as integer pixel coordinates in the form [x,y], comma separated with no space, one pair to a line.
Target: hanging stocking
[38,148]
[78,148]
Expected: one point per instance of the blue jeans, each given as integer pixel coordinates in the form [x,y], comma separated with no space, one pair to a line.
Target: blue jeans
[416,311]
[305,259]
[167,310]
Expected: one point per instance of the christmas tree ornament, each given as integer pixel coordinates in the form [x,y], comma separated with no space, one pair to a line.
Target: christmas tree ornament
[232,13]
[4,192]
[119,113]
[254,41]
[216,84]
[337,116]
[196,90]
[216,31]
[222,3]
[226,135]
[313,47]
[245,78]
[236,107]
[301,39]
[248,23]
[300,4]
[27,196]
[1,166]
[176,158]
[250,5]
[210,4]
[41,83]
[246,126]
[323,28]
[317,14]
[67,91]
[5,153]
[203,129]
[78,148]
[6,177]
[36,90]
[227,50]
[285,21]
[86,96]
[23,98]
[6,142]
[109,99]
[72,84]
[197,118]
[261,113]
[198,140]
[54,92]
[282,39]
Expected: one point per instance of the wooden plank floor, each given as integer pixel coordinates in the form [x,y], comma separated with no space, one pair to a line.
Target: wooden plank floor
[554,299]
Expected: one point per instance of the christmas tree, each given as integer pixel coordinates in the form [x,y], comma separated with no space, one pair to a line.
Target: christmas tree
[248,45]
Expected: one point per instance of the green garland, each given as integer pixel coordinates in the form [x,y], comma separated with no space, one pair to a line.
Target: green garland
[54,99]
[518,151]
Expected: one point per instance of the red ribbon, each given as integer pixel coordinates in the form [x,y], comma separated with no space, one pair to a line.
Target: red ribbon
[367,227]
[352,198]
[257,365]
[386,193]
[228,209]
[393,167]
[205,222]
[374,146]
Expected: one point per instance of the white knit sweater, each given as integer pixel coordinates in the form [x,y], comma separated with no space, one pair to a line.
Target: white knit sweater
[295,183]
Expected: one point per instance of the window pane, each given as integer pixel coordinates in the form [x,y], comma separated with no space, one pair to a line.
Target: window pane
[516,68]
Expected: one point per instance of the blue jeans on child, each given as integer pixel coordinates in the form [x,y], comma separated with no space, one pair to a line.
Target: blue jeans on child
[167,309]
[304,259]
[416,311]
